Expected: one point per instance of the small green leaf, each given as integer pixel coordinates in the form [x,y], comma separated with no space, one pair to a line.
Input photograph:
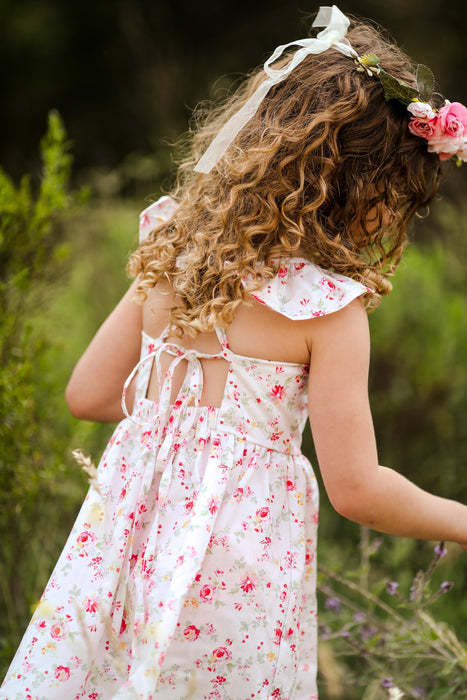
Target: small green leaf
[395,89]
[425,82]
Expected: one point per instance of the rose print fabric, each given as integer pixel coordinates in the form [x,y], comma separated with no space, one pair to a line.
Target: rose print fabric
[190,571]
[154,215]
[302,290]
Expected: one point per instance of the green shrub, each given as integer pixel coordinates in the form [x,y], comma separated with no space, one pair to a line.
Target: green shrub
[35,497]
[63,269]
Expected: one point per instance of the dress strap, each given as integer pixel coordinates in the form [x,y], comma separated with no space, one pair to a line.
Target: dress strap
[222,338]
[192,386]
[142,365]
[164,333]
[142,373]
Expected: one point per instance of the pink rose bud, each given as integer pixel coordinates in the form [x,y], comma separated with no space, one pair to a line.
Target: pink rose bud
[423,128]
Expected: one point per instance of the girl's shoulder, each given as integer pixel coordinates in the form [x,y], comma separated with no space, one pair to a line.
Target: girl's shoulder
[302,290]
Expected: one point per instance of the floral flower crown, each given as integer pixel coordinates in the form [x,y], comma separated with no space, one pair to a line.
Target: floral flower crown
[444,129]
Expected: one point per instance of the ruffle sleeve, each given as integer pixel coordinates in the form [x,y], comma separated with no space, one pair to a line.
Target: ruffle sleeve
[157,213]
[302,290]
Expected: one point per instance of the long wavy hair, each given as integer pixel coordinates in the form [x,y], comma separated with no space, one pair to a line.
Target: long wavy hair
[326,170]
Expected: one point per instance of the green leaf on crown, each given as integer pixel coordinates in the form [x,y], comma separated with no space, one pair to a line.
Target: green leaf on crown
[425,82]
[395,89]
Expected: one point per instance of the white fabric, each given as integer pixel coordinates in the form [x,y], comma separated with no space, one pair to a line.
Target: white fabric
[332,36]
[156,214]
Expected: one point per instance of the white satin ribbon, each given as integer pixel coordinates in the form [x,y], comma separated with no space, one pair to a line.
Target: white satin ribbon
[332,36]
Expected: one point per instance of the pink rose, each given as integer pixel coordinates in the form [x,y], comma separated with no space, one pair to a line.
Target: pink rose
[191,633]
[85,537]
[62,673]
[453,118]
[262,513]
[425,129]
[221,653]
[206,593]
[237,494]
[56,632]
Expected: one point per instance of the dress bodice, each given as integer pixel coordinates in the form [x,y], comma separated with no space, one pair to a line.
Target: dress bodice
[264,402]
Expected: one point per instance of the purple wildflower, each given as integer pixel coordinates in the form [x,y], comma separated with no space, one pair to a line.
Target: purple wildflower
[387,683]
[446,586]
[333,604]
[324,631]
[441,549]
[359,617]
[391,587]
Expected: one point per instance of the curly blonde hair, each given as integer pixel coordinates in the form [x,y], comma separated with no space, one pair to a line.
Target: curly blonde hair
[326,170]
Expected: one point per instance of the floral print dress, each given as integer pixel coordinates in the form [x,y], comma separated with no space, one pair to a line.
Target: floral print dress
[191,569]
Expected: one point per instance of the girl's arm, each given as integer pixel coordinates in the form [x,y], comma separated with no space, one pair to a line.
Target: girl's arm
[95,388]
[344,439]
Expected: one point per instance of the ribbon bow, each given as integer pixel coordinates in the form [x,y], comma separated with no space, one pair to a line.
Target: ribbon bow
[332,36]
[189,394]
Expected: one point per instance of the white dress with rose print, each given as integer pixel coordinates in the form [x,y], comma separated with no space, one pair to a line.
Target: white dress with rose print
[202,586]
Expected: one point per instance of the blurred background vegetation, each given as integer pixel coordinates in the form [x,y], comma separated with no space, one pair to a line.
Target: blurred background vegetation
[125,76]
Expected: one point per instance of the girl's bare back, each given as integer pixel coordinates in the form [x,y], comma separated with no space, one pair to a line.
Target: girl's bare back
[256,331]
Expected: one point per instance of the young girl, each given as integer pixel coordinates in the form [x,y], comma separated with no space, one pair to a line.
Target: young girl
[190,572]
